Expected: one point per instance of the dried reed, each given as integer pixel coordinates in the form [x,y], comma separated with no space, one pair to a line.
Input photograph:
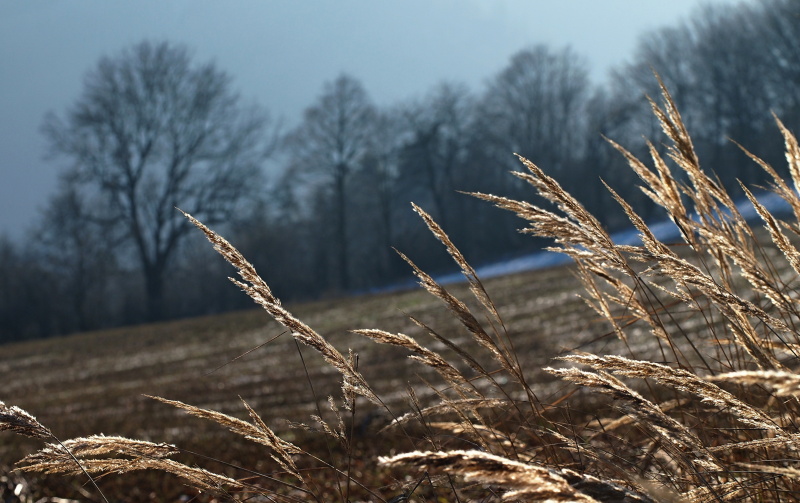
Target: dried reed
[704,408]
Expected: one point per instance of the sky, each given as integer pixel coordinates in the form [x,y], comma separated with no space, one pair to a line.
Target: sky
[280,53]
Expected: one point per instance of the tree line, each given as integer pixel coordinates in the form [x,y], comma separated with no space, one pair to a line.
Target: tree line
[320,207]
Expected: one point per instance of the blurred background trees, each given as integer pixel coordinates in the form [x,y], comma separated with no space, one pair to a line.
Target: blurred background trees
[325,150]
[153,130]
[535,107]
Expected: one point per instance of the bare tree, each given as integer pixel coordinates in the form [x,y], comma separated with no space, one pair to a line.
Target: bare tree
[534,106]
[730,73]
[779,26]
[383,166]
[668,51]
[379,212]
[26,294]
[721,67]
[153,131]
[436,155]
[330,143]
[77,252]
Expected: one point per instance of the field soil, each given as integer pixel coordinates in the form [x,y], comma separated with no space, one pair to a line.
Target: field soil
[97,382]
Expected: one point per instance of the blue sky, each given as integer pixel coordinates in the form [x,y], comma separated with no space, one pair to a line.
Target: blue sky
[279,53]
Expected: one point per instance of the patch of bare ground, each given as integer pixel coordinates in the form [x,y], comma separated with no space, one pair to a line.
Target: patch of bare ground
[96,382]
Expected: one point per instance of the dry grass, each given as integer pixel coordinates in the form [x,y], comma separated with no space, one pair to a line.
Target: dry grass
[691,394]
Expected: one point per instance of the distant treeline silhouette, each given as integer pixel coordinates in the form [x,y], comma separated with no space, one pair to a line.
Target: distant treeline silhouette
[319,207]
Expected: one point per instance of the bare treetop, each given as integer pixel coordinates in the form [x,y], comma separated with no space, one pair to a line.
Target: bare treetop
[334,136]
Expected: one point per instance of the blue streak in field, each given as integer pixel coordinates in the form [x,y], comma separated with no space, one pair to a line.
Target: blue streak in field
[665,230]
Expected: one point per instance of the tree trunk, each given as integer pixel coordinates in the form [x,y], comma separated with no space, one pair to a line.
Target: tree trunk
[154,289]
[341,230]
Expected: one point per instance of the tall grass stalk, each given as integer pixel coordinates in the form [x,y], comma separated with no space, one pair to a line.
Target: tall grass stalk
[697,400]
